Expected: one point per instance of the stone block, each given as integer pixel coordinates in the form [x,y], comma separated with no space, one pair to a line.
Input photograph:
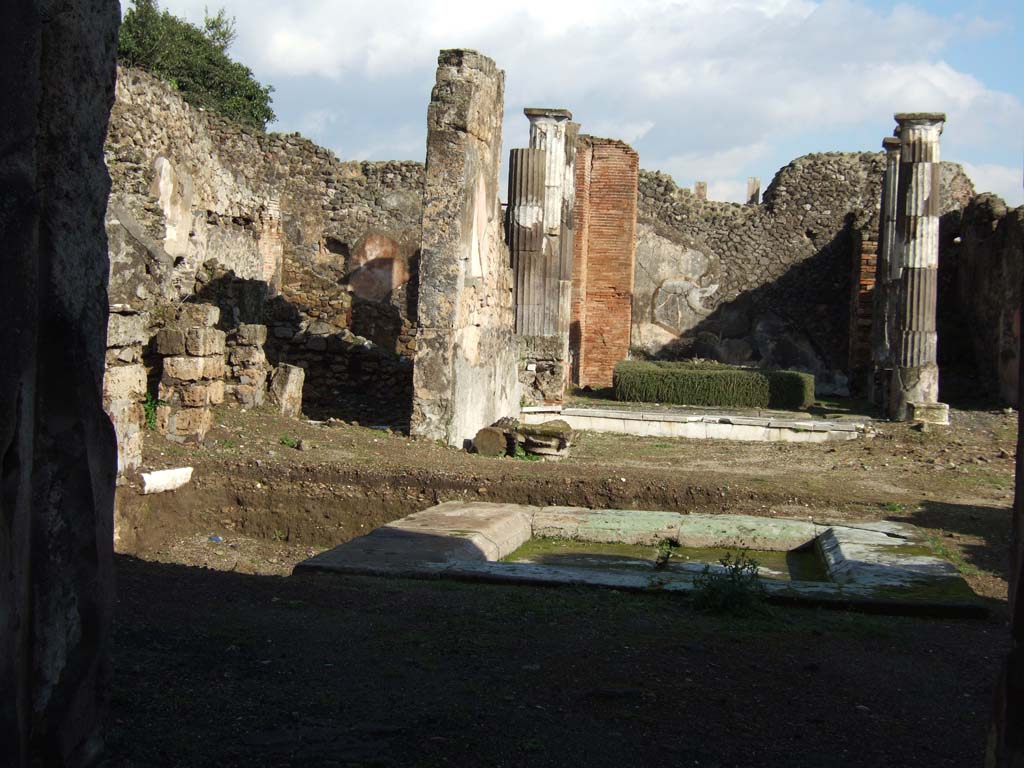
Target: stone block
[247,356]
[126,330]
[194,368]
[286,389]
[205,315]
[204,342]
[202,394]
[189,424]
[170,341]
[246,395]
[126,382]
[251,335]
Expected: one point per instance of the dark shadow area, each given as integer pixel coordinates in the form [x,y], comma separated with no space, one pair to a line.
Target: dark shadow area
[990,524]
[962,382]
[216,668]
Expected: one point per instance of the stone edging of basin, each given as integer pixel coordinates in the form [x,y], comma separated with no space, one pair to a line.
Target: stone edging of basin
[874,566]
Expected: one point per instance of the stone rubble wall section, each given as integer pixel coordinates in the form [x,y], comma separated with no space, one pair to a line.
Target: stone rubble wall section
[464,375]
[604,262]
[767,283]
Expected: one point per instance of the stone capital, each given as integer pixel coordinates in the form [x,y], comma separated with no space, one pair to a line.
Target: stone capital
[920,120]
[545,113]
[891,144]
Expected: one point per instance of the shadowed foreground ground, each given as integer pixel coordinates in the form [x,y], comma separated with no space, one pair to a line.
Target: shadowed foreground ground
[225,669]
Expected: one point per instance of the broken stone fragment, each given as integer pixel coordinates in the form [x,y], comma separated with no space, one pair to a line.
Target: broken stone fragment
[286,389]
[165,480]
[189,425]
[552,439]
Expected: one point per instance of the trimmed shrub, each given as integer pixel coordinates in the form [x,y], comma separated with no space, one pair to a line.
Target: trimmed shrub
[709,383]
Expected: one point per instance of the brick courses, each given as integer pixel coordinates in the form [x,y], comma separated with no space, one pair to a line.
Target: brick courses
[604,258]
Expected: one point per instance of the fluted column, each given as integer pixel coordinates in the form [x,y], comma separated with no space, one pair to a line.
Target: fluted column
[883,316]
[526,196]
[914,259]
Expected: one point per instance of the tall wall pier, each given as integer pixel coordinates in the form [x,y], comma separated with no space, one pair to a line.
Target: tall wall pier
[57,449]
[464,376]
[604,264]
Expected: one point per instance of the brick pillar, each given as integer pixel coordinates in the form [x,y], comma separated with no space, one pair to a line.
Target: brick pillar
[700,190]
[914,392]
[606,206]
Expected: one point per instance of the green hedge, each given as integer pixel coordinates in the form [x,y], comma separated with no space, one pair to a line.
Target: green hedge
[709,383]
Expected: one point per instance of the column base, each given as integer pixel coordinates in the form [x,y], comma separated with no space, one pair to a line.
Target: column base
[912,385]
[928,413]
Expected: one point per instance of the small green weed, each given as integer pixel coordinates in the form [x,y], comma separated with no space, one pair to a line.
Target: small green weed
[228,443]
[291,442]
[893,507]
[736,590]
[279,535]
[520,453]
[149,408]
[940,548]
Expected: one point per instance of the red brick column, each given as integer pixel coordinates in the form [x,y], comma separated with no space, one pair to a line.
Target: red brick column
[604,259]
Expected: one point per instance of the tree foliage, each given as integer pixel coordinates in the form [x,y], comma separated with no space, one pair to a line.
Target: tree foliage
[195,61]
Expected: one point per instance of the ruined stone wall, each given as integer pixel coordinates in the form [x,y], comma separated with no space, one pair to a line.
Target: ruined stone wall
[989,272]
[465,368]
[57,449]
[271,229]
[604,258]
[765,284]
[270,207]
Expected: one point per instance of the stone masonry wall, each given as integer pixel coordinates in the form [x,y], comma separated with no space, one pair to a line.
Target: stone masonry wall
[464,376]
[766,284]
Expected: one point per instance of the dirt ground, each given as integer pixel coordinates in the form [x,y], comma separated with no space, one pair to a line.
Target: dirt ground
[224,660]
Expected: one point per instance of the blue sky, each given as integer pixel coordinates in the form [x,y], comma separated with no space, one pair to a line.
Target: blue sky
[716,90]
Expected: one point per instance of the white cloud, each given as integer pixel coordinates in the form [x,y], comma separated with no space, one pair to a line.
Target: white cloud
[314,123]
[626,131]
[696,84]
[1005,181]
[712,166]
